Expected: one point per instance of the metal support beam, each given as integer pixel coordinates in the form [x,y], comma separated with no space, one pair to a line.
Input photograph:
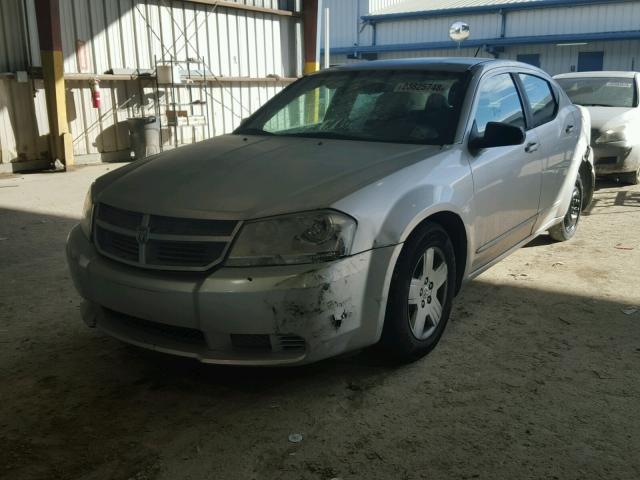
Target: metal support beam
[311,18]
[48,17]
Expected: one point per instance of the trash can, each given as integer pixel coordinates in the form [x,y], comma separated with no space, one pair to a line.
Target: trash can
[144,136]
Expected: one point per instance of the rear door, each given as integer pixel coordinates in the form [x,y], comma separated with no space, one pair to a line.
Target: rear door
[557,131]
[506,179]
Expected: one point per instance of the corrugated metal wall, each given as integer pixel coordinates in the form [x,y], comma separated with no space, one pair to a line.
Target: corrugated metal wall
[376,5]
[609,17]
[622,55]
[13,44]
[99,36]
[576,19]
[435,29]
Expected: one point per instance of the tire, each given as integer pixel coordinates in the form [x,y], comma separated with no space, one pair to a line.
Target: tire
[631,178]
[415,300]
[588,185]
[566,229]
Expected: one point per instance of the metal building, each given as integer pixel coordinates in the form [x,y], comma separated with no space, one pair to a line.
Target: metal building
[249,50]
[557,35]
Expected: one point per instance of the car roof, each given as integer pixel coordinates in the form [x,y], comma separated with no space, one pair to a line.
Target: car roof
[610,73]
[450,64]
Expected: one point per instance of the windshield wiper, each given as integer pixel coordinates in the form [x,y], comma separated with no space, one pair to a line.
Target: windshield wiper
[595,105]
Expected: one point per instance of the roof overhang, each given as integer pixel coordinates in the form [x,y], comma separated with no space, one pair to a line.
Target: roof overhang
[500,7]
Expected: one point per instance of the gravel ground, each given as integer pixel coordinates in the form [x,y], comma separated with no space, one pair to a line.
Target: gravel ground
[536,377]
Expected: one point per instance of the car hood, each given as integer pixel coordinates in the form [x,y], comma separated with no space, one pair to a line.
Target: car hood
[605,118]
[243,177]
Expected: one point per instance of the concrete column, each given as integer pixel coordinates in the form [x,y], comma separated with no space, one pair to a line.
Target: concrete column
[48,17]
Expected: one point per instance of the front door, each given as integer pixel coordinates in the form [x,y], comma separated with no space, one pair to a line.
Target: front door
[558,130]
[506,180]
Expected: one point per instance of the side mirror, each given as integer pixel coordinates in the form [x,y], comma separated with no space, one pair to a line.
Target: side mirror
[497,134]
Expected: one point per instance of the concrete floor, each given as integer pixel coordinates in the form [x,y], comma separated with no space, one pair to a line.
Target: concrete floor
[537,375]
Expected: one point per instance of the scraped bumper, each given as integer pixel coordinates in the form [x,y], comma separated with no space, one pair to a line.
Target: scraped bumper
[611,158]
[242,316]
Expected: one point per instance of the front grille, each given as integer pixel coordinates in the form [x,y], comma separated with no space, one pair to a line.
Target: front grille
[154,241]
[170,332]
[290,343]
[268,343]
[251,342]
[121,246]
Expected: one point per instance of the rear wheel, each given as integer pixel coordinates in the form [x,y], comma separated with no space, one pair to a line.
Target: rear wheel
[566,229]
[420,295]
[632,178]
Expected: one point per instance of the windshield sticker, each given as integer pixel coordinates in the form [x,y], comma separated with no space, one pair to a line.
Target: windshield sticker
[619,84]
[419,87]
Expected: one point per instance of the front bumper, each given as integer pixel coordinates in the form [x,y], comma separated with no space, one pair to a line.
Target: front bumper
[612,158]
[243,316]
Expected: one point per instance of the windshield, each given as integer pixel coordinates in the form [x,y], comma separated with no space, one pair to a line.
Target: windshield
[383,106]
[601,91]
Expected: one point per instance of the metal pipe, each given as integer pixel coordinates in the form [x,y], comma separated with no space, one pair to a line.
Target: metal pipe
[327,43]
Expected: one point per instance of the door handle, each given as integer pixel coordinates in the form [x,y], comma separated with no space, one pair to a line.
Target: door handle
[531,147]
[568,129]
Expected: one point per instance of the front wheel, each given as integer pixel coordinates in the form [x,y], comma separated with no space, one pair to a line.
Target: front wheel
[566,229]
[420,295]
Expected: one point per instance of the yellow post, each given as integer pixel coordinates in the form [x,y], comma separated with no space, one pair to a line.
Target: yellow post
[310,67]
[310,19]
[61,141]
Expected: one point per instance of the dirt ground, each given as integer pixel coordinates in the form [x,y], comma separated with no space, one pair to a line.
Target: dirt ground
[536,377]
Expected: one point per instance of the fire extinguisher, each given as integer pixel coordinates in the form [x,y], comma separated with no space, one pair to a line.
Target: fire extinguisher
[95,92]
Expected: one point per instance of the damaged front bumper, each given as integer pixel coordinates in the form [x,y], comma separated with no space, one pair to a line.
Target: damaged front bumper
[613,158]
[243,316]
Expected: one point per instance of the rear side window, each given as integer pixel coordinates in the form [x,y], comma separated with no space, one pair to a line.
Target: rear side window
[498,101]
[541,99]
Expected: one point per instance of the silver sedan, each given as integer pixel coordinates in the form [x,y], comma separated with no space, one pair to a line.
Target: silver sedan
[348,211]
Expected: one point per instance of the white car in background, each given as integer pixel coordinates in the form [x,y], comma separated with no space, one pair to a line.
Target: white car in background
[613,100]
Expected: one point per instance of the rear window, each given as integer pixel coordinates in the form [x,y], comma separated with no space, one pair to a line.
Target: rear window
[601,91]
[541,100]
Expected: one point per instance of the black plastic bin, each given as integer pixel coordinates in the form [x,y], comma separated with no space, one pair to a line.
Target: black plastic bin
[144,135]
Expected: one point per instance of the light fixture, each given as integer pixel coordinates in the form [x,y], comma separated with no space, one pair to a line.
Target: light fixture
[574,44]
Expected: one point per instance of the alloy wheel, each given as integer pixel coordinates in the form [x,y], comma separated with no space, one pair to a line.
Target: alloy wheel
[573,215]
[427,292]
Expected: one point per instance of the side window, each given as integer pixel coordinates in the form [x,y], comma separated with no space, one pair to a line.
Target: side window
[498,101]
[541,100]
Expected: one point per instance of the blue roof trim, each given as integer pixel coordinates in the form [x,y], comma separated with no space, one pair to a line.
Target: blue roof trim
[508,41]
[505,7]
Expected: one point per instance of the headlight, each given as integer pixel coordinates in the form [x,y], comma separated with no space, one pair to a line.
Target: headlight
[611,136]
[87,214]
[309,237]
